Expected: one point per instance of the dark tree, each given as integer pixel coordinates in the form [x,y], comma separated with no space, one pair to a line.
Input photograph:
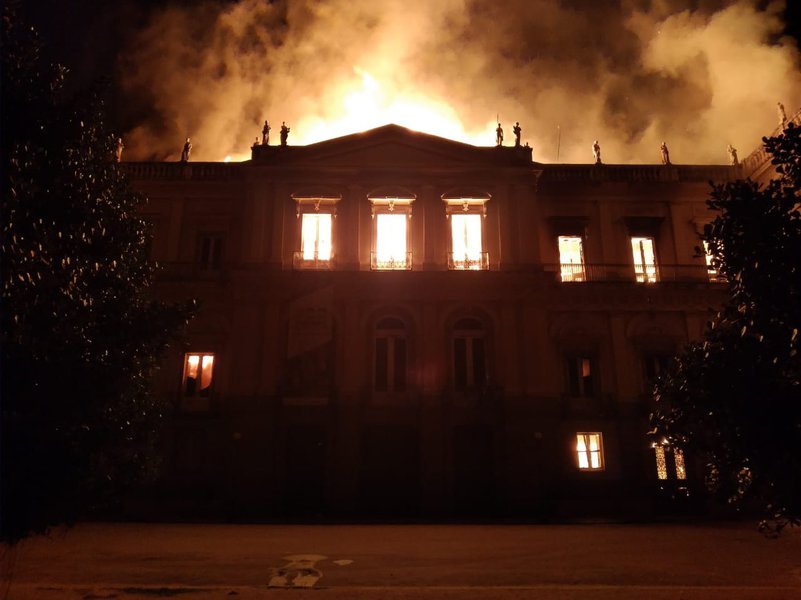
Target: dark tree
[80,335]
[735,397]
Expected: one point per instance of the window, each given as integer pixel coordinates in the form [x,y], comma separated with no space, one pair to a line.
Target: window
[316,216]
[669,462]
[391,233]
[654,365]
[390,356]
[581,376]
[467,236]
[643,253]
[571,258]
[198,370]
[209,251]
[315,237]
[589,451]
[711,271]
[469,355]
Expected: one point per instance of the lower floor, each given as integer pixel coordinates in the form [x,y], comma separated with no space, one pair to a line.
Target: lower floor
[433,458]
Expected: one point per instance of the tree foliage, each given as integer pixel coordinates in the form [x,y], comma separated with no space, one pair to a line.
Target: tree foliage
[735,397]
[80,335]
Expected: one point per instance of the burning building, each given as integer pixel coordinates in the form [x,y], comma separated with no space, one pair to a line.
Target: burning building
[397,323]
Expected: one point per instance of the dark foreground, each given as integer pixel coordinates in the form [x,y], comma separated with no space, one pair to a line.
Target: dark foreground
[199,562]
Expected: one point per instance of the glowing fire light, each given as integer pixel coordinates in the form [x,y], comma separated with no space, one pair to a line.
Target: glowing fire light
[372,103]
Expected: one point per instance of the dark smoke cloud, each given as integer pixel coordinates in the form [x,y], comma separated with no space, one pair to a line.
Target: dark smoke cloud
[697,74]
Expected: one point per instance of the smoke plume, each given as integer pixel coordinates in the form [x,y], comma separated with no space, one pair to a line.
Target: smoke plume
[696,74]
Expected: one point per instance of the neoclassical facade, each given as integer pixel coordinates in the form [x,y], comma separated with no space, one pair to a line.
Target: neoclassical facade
[394,323]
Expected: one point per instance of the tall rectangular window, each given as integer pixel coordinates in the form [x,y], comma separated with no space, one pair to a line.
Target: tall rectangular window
[580,374]
[469,355]
[390,356]
[316,237]
[209,251]
[198,373]
[571,258]
[390,243]
[665,467]
[589,451]
[644,255]
[467,245]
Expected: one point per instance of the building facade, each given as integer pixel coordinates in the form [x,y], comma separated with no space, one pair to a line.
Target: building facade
[394,323]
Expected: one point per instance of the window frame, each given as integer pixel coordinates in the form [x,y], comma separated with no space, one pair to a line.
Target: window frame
[574,366]
[670,462]
[573,277]
[314,205]
[469,335]
[197,393]
[390,206]
[394,384]
[645,276]
[467,206]
[211,264]
[585,437]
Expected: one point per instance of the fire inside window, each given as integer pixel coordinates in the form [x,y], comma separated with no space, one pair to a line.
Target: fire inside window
[390,247]
[589,451]
[711,272]
[467,243]
[642,250]
[198,370]
[316,236]
[571,258]
[663,453]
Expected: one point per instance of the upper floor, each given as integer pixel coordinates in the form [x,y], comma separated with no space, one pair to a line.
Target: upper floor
[393,199]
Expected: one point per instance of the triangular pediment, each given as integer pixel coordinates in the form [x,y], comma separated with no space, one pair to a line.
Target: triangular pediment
[390,146]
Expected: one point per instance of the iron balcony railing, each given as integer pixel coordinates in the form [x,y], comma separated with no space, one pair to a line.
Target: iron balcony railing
[462,262]
[301,260]
[645,274]
[401,262]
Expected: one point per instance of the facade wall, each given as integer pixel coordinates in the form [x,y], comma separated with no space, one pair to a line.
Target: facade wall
[294,422]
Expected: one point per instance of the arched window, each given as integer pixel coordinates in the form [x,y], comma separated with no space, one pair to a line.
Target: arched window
[469,355]
[389,373]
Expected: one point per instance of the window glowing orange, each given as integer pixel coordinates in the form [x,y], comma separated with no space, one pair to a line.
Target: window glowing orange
[316,236]
[589,451]
[198,373]
[571,258]
[642,250]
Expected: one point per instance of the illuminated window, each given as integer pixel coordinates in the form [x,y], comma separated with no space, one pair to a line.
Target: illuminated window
[589,451]
[669,461]
[581,376]
[316,236]
[390,356]
[316,216]
[391,240]
[469,355]
[467,244]
[209,252]
[711,271]
[198,370]
[642,250]
[571,258]
[467,248]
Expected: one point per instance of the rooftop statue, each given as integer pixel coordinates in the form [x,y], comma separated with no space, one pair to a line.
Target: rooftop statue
[265,134]
[516,129]
[186,151]
[499,135]
[284,133]
[733,161]
[596,152]
[118,150]
[665,154]
[782,115]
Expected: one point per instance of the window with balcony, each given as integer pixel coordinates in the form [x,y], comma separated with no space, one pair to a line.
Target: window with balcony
[389,375]
[468,246]
[571,258]
[669,462]
[391,234]
[469,355]
[209,253]
[589,451]
[644,255]
[316,217]
[198,375]
[581,380]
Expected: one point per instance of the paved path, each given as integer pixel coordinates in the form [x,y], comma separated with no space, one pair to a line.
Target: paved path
[331,562]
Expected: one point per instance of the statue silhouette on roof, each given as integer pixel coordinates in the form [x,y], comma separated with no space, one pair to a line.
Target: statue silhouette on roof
[186,151]
[284,133]
[499,135]
[265,134]
[596,152]
[665,154]
[516,130]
